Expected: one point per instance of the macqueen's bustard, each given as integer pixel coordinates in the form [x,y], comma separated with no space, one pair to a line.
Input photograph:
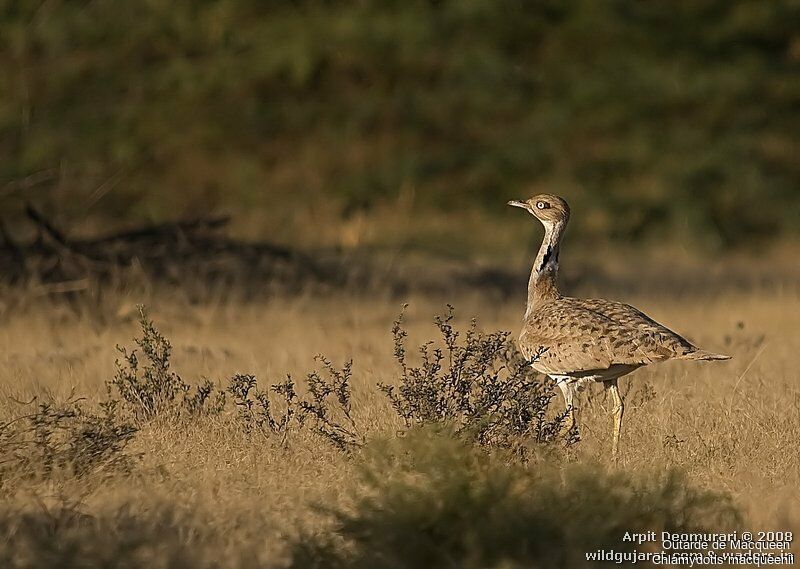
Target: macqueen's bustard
[575,340]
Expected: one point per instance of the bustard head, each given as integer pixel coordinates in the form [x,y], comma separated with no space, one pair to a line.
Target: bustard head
[547,208]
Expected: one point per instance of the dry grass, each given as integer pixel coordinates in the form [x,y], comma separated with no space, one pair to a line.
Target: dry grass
[228,494]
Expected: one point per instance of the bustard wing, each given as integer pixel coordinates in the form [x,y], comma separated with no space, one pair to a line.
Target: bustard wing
[579,336]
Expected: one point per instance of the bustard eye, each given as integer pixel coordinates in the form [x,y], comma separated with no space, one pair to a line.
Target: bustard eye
[542,205]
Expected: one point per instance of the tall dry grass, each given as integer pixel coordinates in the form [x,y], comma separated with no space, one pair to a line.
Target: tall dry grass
[208,494]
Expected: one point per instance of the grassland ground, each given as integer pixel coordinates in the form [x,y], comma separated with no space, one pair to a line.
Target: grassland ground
[238,500]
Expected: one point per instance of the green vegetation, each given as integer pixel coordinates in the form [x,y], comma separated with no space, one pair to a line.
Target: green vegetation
[431,501]
[682,115]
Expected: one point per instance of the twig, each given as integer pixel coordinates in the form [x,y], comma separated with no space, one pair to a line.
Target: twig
[165,228]
[62,287]
[48,227]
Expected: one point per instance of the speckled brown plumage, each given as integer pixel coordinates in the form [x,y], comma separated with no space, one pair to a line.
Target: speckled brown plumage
[584,337]
[575,340]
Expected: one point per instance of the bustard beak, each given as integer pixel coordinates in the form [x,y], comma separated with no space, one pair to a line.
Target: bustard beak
[517,203]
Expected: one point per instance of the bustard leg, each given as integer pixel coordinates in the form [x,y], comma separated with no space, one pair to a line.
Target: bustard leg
[569,401]
[619,410]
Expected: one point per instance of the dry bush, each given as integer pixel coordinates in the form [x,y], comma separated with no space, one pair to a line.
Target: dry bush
[255,409]
[147,386]
[326,408]
[329,407]
[479,383]
[64,439]
[431,500]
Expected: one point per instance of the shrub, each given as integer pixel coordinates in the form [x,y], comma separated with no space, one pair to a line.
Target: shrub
[327,407]
[149,388]
[480,384]
[255,409]
[64,438]
[432,500]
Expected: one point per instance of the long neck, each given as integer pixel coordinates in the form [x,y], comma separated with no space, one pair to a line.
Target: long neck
[542,283]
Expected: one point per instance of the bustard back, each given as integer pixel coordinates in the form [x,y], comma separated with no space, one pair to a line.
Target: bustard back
[576,340]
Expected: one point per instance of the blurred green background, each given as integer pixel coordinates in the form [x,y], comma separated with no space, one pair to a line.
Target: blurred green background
[321,123]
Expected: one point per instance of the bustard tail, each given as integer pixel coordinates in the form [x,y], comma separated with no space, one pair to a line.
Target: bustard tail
[702,355]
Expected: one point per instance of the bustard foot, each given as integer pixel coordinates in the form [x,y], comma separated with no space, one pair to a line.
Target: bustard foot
[569,429]
[619,411]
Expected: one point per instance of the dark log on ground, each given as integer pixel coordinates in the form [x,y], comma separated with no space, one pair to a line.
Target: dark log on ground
[194,252]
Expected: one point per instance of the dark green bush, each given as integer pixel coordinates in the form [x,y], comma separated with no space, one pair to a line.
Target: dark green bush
[430,500]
